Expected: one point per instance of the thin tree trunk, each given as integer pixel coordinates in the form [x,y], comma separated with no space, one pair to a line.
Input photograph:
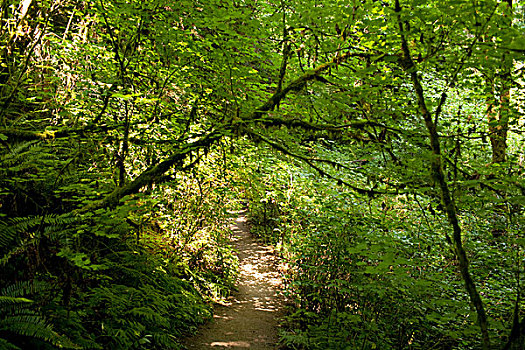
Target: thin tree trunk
[437,172]
[498,118]
[498,110]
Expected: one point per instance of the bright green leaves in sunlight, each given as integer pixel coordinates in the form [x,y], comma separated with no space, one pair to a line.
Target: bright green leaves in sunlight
[377,144]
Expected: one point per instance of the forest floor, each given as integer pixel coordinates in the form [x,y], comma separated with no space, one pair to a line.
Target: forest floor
[250,316]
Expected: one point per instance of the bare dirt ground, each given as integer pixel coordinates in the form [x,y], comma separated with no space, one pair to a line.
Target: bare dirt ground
[250,318]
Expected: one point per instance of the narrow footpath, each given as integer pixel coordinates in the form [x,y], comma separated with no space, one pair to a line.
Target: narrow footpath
[251,316]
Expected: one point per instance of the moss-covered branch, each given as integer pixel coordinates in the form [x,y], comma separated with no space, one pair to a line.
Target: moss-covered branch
[298,83]
[438,174]
[311,162]
[154,173]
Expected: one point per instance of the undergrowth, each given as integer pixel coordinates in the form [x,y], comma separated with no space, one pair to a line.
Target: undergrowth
[365,273]
[140,275]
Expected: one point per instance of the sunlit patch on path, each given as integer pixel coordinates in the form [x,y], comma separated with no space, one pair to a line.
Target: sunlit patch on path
[250,317]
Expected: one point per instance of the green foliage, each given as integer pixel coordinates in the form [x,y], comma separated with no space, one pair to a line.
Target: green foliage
[375,273]
[142,304]
[21,324]
[128,129]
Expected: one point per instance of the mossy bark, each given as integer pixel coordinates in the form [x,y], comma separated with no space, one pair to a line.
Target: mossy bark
[436,167]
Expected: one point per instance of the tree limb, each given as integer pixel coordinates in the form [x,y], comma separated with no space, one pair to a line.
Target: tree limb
[310,162]
[298,83]
[437,171]
[153,173]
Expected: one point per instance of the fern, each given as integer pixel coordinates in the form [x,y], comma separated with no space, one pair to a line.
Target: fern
[7,300]
[18,319]
[15,154]
[31,325]
[7,235]
[22,288]
[4,344]
[27,223]
[141,306]
[17,233]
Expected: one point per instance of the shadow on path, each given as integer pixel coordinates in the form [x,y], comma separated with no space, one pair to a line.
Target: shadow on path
[250,318]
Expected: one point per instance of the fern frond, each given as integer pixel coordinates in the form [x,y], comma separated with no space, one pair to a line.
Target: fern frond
[148,314]
[18,248]
[13,300]
[22,288]
[22,226]
[4,344]
[26,223]
[17,318]
[15,152]
[7,234]
[32,326]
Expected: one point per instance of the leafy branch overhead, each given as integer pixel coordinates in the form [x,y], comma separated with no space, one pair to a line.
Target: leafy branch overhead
[377,144]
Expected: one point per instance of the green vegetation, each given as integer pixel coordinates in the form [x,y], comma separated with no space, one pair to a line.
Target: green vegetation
[377,144]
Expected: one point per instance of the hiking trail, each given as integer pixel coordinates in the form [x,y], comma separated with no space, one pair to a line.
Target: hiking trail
[250,317]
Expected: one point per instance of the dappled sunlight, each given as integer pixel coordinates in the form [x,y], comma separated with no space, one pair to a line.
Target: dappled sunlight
[237,344]
[249,317]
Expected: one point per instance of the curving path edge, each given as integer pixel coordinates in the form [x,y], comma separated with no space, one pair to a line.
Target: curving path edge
[250,318]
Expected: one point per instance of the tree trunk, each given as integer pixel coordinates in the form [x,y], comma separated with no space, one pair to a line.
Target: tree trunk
[498,109]
[436,166]
[498,118]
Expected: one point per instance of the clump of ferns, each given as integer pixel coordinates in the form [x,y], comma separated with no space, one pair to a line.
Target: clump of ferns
[17,234]
[20,168]
[20,321]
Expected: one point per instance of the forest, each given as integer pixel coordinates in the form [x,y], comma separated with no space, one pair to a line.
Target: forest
[377,145]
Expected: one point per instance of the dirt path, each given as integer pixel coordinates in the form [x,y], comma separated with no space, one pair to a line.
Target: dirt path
[250,318]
